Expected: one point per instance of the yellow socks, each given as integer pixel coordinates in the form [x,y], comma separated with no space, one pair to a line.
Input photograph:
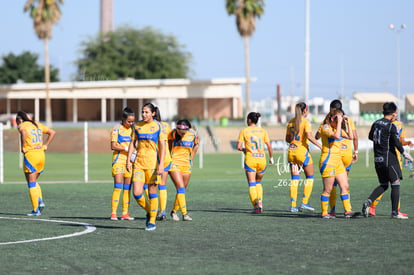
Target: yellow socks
[115,196]
[126,198]
[253,193]
[294,190]
[142,202]
[180,201]
[324,204]
[307,190]
[332,198]
[163,197]
[34,195]
[259,191]
[346,201]
[153,201]
[376,201]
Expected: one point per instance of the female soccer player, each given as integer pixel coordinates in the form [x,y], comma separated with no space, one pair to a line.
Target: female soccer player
[33,149]
[348,155]
[162,187]
[298,132]
[120,140]
[149,163]
[254,139]
[330,163]
[183,143]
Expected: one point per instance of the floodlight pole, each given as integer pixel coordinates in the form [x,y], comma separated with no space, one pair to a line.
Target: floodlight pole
[398,31]
[307,51]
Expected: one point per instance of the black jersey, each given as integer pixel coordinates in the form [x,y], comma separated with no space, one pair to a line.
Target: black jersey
[384,134]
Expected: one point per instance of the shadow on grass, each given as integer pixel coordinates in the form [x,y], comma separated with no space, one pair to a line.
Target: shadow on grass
[267,213]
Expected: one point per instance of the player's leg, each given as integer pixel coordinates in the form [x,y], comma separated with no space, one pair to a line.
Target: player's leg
[294,183]
[180,201]
[126,199]
[138,178]
[162,191]
[153,203]
[307,189]
[327,188]
[251,180]
[116,193]
[33,193]
[259,191]
[342,180]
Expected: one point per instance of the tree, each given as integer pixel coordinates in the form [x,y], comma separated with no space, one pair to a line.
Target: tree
[132,53]
[45,13]
[246,12]
[24,67]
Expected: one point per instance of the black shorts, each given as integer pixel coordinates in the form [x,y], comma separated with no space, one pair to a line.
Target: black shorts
[388,174]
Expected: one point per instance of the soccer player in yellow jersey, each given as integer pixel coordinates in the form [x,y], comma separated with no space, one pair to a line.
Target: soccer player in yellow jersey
[162,187]
[404,142]
[120,140]
[149,163]
[33,149]
[348,155]
[298,132]
[330,163]
[254,139]
[183,143]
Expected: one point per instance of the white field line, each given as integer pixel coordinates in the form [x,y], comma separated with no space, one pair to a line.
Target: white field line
[89,229]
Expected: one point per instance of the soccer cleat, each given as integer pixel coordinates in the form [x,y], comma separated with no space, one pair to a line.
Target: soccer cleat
[161,217]
[174,216]
[371,211]
[351,214]
[294,209]
[41,205]
[127,217]
[333,214]
[399,217]
[307,207]
[34,213]
[187,218]
[365,208]
[114,217]
[327,216]
[405,215]
[150,227]
[256,210]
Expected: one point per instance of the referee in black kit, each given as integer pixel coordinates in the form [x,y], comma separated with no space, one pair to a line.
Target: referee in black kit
[385,137]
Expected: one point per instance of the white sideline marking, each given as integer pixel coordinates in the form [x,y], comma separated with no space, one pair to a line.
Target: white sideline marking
[89,229]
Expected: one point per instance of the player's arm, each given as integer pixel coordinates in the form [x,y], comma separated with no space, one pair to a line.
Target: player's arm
[288,136]
[396,141]
[161,155]
[270,151]
[23,136]
[313,139]
[195,148]
[50,135]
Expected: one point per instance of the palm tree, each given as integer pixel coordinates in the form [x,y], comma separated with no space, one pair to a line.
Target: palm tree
[246,12]
[45,13]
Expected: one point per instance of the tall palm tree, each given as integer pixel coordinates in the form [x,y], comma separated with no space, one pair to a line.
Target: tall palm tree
[45,13]
[246,12]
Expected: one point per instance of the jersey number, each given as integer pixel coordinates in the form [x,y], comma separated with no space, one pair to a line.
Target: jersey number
[256,143]
[36,135]
[377,136]
[295,135]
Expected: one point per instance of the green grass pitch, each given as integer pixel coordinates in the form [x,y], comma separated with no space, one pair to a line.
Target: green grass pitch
[223,238]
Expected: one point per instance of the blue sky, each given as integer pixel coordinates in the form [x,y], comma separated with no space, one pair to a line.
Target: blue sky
[351,49]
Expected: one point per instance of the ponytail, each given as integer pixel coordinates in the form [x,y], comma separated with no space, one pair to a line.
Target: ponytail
[299,110]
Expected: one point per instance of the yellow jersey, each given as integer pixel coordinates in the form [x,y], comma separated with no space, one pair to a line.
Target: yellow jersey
[166,129]
[299,136]
[254,139]
[147,135]
[34,135]
[329,145]
[181,149]
[122,137]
